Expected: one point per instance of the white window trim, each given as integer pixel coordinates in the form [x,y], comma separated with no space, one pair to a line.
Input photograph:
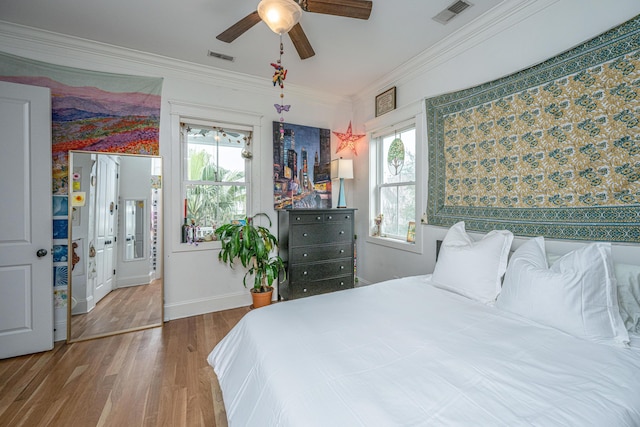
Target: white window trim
[420,183]
[202,114]
[247,163]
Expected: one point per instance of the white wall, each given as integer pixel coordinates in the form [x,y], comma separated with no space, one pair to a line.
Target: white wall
[514,36]
[135,184]
[195,282]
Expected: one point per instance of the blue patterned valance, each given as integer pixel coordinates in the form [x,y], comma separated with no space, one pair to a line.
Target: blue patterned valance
[553,150]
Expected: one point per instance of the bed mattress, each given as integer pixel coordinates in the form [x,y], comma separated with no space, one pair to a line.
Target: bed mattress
[406,353]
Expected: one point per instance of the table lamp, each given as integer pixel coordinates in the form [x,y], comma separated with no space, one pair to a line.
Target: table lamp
[342,169]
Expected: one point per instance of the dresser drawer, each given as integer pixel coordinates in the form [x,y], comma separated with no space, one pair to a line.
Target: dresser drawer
[320,270]
[317,217]
[301,290]
[339,216]
[317,234]
[306,218]
[321,253]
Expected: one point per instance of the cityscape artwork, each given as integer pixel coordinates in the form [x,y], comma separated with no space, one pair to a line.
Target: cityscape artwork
[301,167]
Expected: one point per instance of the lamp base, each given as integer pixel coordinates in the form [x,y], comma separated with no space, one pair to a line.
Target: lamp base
[342,203]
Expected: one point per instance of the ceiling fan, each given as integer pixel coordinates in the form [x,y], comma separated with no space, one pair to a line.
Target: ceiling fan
[360,9]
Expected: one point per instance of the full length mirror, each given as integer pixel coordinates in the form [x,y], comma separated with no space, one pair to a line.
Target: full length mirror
[115,244]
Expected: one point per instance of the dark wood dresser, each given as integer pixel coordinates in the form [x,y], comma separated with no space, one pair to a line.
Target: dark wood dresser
[317,247]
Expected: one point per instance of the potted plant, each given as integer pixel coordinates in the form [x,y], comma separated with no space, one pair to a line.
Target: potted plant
[252,245]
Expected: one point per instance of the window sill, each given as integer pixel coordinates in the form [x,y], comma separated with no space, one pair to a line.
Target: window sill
[201,246]
[395,244]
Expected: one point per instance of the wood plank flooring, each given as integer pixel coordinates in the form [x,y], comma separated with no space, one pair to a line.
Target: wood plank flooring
[154,377]
[129,308]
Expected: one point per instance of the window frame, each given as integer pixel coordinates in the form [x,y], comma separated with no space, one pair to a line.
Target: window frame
[376,165]
[182,112]
[186,182]
[381,163]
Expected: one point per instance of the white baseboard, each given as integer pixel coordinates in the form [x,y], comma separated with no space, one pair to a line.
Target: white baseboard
[83,306]
[206,305]
[362,282]
[60,330]
[126,282]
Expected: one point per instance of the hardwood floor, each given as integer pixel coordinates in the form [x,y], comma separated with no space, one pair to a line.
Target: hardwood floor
[154,377]
[133,307]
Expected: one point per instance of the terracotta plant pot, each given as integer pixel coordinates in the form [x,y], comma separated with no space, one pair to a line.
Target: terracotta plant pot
[260,299]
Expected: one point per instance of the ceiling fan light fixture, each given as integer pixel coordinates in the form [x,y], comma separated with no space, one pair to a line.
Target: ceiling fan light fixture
[279,15]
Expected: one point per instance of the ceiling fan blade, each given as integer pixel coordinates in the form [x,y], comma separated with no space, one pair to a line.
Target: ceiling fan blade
[360,9]
[239,28]
[301,42]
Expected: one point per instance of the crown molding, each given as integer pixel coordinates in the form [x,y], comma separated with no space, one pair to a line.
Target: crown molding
[487,25]
[62,49]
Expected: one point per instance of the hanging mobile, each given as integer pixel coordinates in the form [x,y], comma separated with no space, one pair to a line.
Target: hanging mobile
[279,76]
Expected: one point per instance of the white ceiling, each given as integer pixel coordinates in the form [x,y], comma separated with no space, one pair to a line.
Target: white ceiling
[351,54]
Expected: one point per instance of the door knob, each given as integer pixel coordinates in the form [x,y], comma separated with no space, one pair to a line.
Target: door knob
[41,253]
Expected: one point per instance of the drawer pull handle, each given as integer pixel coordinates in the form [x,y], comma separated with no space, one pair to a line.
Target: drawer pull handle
[305,255]
[304,273]
[347,217]
[304,290]
[298,218]
[304,234]
[341,232]
[318,218]
[342,267]
[341,251]
[330,217]
[341,283]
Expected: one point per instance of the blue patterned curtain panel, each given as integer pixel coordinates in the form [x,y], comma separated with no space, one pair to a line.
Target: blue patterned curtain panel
[553,150]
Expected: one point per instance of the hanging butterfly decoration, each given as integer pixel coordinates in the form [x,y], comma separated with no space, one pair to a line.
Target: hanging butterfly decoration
[279,76]
[280,108]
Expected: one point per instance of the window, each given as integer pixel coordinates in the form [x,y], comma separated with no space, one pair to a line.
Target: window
[215,174]
[395,186]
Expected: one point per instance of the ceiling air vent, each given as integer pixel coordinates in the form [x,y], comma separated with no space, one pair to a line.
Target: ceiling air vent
[220,56]
[451,12]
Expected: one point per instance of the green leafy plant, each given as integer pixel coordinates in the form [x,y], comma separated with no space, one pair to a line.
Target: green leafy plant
[252,245]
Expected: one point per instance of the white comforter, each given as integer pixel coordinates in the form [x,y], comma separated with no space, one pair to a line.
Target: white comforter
[404,353]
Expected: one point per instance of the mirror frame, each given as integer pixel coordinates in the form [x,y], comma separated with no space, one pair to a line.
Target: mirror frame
[145,212]
[160,245]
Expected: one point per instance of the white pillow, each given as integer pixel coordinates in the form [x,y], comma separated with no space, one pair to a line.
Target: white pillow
[628,279]
[628,290]
[576,295]
[473,268]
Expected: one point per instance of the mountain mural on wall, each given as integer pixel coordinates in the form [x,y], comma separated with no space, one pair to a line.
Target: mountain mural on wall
[89,117]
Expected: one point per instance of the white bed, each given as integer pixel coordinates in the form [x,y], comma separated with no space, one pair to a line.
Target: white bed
[408,353]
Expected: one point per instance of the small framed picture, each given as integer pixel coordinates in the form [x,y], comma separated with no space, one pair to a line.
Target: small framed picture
[411,232]
[386,101]
[60,206]
[60,228]
[60,275]
[60,253]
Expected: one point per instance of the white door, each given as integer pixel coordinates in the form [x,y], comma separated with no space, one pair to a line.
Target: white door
[106,214]
[26,266]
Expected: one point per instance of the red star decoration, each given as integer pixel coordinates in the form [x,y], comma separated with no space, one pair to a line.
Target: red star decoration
[348,140]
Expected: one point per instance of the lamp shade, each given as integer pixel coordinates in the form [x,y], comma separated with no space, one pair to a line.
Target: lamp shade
[342,168]
[279,15]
